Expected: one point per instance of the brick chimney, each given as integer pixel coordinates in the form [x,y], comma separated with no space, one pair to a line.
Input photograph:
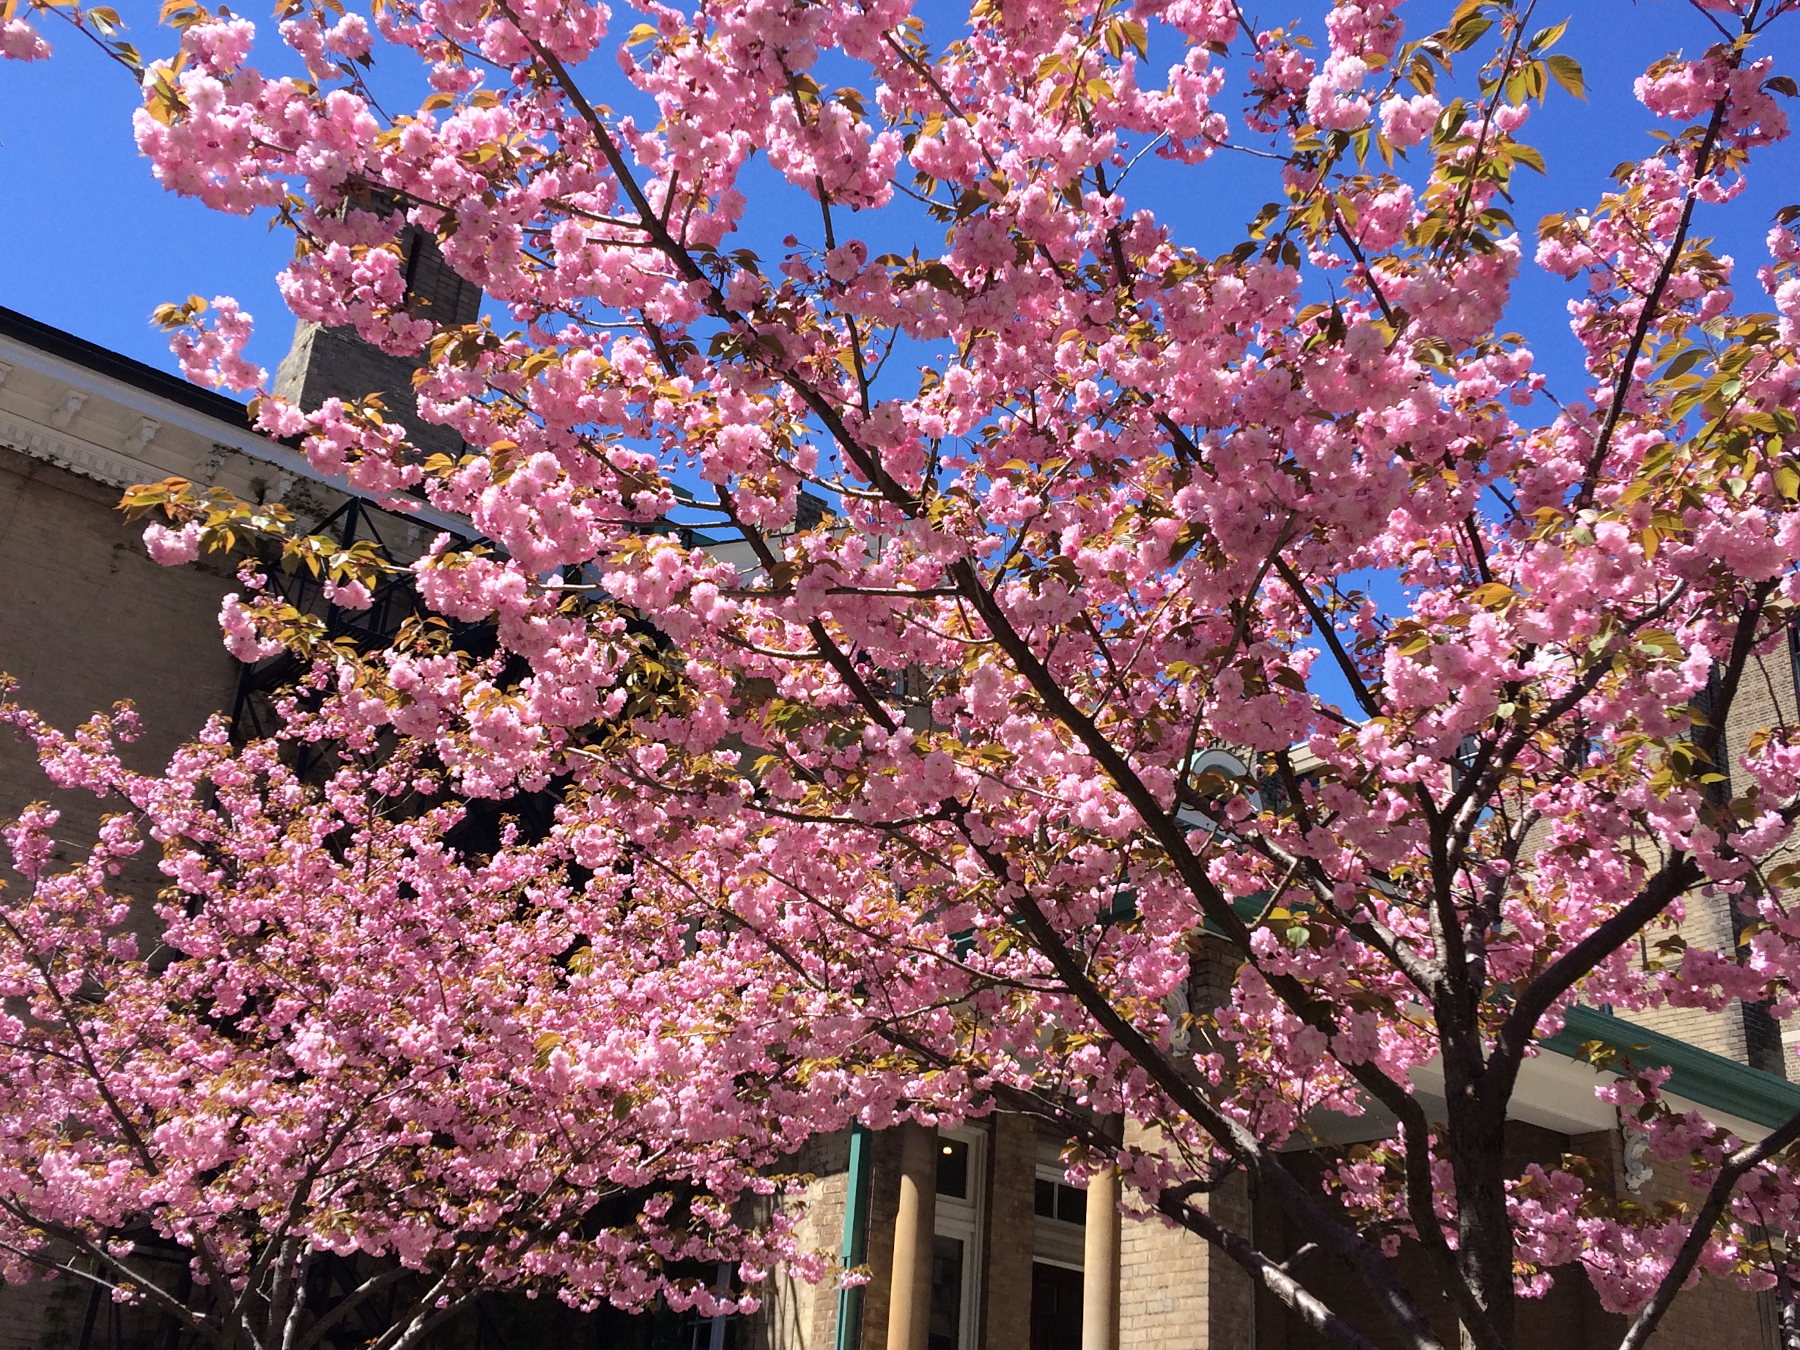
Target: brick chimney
[335,363]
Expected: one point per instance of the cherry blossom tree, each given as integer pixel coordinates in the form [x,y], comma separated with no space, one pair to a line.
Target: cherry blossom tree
[353,1074]
[925,792]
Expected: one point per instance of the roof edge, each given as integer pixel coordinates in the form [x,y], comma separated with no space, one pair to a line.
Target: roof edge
[1696,1074]
[128,370]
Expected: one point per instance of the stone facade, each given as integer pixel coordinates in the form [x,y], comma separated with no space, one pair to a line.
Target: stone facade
[80,606]
[1176,1292]
[1765,699]
[334,363]
[796,1315]
[327,363]
[1006,1270]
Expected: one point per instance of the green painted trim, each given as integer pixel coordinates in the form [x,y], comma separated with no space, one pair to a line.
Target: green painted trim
[1699,1075]
[856,1235]
[1249,908]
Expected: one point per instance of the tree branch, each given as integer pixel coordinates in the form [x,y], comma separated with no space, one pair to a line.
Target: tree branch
[1644,1325]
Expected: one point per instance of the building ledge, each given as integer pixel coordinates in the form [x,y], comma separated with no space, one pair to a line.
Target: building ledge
[1700,1076]
[92,356]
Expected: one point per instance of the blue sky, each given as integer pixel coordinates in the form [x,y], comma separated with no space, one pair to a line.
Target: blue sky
[92,244]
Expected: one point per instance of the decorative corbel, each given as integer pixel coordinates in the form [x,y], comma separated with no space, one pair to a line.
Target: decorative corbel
[210,466]
[68,404]
[138,439]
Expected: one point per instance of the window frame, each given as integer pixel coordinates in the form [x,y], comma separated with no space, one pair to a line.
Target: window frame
[965,1220]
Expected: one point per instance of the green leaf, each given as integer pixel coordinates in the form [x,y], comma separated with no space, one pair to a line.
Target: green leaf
[1185,538]
[1566,71]
[1465,33]
[1545,38]
[1682,364]
[1528,156]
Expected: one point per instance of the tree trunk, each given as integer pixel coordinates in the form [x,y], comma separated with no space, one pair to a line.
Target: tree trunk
[1477,1144]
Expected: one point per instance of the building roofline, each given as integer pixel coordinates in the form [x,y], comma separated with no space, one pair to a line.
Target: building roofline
[1696,1074]
[127,370]
[169,399]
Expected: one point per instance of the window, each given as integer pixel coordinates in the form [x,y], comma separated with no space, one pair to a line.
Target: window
[953,1167]
[1055,1307]
[956,1242]
[1058,1230]
[948,1256]
[1060,1201]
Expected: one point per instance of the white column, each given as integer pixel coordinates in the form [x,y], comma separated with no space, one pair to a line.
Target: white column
[1100,1264]
[909,1294]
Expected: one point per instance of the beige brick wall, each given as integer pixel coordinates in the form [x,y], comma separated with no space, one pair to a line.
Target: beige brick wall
[1706,925]
[1164,1294]
[1006,1251]
[1716,1314]
[87,619]
[1177,1292]
[796,1315]
[1765,700]
[1768,700]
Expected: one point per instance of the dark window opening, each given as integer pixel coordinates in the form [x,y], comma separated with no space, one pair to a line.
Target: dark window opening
[1071,1204]
[1056,1200]
[943,1329]
[1055,1307]
[953,1168]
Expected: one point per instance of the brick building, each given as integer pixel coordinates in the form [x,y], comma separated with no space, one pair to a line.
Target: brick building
[1020,1260]
[973,1238]
[86,618]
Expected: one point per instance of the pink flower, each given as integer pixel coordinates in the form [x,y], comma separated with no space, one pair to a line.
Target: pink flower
[173,547]
[19,41]
[214,355]
[1408,121]
[348,594]
[242,639]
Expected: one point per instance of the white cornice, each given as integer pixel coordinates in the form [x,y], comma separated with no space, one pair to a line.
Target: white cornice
[76,455]
[169,413]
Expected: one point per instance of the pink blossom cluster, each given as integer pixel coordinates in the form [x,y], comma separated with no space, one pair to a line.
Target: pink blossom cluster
[213,352]
[19,41]
[1217,690]
[378,1044]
